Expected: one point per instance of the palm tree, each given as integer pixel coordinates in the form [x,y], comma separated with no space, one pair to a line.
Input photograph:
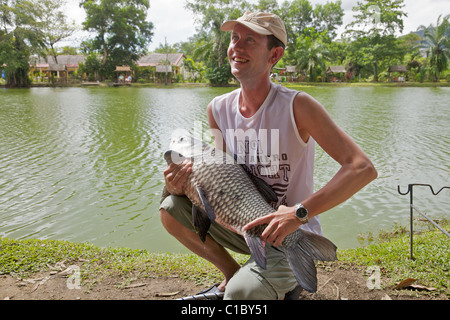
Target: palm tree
[437,41]
[311,54]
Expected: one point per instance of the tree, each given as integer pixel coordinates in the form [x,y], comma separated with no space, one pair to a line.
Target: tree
[212,43]
[328,17]
[299,17]
[29,27]
[121,31]
[436,39]
[305,25]
[312,53]
[19,38]
[52,24]
[373,29]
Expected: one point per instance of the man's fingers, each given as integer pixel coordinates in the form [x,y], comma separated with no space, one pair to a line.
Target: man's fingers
[257,222]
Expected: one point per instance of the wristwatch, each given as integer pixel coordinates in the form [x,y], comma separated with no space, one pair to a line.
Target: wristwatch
[301,213]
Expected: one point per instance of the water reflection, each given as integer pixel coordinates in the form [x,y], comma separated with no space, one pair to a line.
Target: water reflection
[85,164]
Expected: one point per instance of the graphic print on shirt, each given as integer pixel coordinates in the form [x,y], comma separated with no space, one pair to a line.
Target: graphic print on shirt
[272,168]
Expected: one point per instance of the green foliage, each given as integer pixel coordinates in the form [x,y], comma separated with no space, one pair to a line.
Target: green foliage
[91,67]
[121,31]
[373,29]
[121,34]
[436,39]
[212,43]
[431,257]
[218,75]
[24,257]
[312,53]
[29,27]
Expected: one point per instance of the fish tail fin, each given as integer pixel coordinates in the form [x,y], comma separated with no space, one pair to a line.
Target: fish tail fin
[301,255]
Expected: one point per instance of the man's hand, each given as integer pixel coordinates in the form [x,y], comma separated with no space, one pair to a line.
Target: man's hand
[176,176]
[279,224]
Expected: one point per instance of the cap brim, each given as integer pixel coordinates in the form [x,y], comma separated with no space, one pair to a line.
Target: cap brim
[229,26]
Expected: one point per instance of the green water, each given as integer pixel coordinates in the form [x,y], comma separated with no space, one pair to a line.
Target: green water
[85,164]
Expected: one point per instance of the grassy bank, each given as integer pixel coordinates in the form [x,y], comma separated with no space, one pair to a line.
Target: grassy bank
[293,85]
[22,258]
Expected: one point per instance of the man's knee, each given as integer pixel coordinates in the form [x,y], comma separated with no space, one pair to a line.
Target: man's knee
[175,211]
[248,285]
[166,219]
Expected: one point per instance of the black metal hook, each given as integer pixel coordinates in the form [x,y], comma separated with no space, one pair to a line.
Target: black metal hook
[411,206]
[420,184]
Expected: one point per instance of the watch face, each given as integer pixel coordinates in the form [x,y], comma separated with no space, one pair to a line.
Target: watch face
[301,212]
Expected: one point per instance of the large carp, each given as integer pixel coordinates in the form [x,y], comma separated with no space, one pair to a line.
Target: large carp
[222,191]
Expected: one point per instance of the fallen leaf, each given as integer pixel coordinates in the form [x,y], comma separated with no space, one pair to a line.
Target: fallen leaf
[136,285]
[405,283]
[421,287]
[167,294]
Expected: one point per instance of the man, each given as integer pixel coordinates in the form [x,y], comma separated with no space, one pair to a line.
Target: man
[257,43]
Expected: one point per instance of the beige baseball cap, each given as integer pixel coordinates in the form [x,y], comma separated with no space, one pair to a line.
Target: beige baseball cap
[261,23]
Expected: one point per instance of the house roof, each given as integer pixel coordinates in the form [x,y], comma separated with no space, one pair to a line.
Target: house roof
[56,67]
[397,69]
[72,60]
[122,68]
[162,68]
[154,59]
[291,69]
[336,69]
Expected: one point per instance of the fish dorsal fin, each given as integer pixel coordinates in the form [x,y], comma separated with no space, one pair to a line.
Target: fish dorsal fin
[263,187]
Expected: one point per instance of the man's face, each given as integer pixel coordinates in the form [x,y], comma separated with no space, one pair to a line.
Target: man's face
[248,54]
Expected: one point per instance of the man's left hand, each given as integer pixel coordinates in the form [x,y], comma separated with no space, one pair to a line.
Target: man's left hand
[279,224]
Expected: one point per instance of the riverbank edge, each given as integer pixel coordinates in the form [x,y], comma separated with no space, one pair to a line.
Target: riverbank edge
[196,85]
[22,259]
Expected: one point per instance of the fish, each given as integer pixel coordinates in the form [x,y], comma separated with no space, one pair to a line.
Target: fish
[221,190]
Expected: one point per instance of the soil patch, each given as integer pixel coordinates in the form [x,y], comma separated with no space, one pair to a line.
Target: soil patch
[334,283]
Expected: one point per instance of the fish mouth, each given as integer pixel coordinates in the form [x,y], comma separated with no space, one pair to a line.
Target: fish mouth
[172,156]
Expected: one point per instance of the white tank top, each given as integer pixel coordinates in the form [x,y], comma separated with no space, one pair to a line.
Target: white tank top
[270,146]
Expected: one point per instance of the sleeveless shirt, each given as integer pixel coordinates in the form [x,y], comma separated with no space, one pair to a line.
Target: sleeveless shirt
[270,146]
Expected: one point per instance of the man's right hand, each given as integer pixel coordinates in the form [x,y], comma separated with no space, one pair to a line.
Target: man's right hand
[176,177]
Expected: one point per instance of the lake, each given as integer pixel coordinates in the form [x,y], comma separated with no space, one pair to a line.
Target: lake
[85,164]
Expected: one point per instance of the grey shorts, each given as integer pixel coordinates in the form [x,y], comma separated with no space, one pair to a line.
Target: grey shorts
[250,282]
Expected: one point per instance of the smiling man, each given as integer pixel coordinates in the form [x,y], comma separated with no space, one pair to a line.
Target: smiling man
[290,122]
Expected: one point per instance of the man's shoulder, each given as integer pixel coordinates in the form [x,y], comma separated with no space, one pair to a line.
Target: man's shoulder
[225,98]
[228,94]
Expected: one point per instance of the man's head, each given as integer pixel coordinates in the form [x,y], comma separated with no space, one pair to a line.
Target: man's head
[257,44]
[268,24]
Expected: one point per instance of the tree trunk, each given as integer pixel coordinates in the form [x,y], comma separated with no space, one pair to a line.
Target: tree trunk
[375,71]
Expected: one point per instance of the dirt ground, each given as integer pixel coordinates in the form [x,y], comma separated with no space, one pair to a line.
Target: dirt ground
[333,284]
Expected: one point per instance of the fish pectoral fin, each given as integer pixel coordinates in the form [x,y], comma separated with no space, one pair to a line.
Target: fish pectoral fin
[201,222]
[208,208]
[257,249]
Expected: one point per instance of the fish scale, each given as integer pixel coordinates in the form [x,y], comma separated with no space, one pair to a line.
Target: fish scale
[222,191]
[233,196]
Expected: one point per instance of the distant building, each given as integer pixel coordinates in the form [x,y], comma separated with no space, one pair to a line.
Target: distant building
[336,73]
[65,65]
[158,64]
[399,69]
